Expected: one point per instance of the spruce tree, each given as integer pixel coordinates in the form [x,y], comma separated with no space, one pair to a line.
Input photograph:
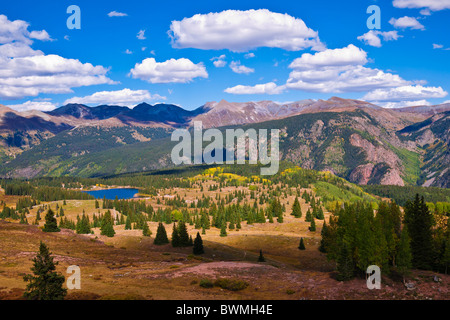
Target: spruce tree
[128,223]
[308,216]
[46,283]
[446,254]
[51,225]
[146,230]
[345,266]
[323,240]
[175,236]
[404,256]
[161,235]
[419,221]
[223,230]
[296,209]
[312,227]
[107,225]
[183,234]
[198,245]
[301,246]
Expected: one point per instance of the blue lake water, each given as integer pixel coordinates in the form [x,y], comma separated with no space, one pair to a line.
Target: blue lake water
[121,193]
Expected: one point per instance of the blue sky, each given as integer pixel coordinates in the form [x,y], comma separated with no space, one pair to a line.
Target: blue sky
[263,50]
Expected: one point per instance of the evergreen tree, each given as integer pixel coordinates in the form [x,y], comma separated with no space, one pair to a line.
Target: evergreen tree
[198,245]
[345,265]
[308,216]
[261,257]
[324,234]
[301,246]
[46,283]
[296,209]
[312,227]
[83,225]
[128,223]
[146,230]
[107,225]
[319,214]
[175,236]
[223,230]
[404,256]
[183,234]
[161,235]
[419,221]
[51,225]
[446,252]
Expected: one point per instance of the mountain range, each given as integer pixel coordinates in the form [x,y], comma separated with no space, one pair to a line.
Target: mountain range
[357,140]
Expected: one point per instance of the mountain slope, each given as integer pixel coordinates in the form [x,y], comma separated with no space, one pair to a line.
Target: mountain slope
[433,135]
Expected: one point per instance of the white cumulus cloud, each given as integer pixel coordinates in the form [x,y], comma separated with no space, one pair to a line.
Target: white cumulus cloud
[179,71]
[434,5]
[219,62]
[33,105]
[373,37]
[407,22]
[124,97]
[238,68]
[406,93]
[338,70]
[28,72]
[266,88]
[243,30]
[401,104]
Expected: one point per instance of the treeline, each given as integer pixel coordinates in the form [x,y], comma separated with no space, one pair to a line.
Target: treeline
[356,238]
[402,194]
[43,193]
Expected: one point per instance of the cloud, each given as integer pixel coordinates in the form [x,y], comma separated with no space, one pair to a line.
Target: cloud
[219,62]
[372,38]
[179,71]
[407,22]
[141,35]
[128,51]
[66,37]
[407,93]
[425,12]
[240,31]
[338,70]
[40,35]
[266,88]
[238,68]
[350,55]
[249,55]
[402,104]
[437,46]
[117,14]
[27,72]
[33,105]
[434,5]
[124,97]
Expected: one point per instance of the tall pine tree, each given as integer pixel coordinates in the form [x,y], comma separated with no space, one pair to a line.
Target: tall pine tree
[46,283]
